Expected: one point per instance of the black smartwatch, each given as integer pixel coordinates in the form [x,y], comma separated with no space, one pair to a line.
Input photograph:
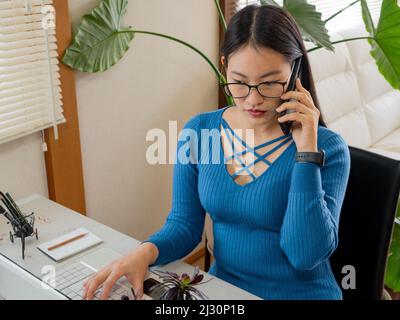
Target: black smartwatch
[314,157]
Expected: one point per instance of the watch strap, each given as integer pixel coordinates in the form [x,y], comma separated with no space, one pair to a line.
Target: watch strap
[314,157]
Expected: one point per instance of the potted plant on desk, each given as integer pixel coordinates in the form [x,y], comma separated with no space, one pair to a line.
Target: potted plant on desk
[180,287]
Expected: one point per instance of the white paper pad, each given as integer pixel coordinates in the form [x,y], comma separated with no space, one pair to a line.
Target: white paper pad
[71,248]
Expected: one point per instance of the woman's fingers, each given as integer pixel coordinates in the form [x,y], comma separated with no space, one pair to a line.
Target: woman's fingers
[300,87]
[85,285]
[109,283]
[138,289]
[299,96]
[302,95]
[137,285]
[94,283]
[294,105]
[295,116]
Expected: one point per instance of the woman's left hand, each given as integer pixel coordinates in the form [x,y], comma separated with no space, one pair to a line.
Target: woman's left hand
[305,126]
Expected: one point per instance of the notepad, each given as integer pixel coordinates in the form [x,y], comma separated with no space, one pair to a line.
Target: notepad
[72,248]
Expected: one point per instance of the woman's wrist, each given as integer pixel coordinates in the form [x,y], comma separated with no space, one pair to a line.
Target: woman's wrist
[149,251]
[308,148]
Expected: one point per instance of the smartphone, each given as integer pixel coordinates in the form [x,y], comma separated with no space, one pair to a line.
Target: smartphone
[296,73]
[154,294]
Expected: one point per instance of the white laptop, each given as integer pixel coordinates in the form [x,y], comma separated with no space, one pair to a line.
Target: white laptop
[70,277]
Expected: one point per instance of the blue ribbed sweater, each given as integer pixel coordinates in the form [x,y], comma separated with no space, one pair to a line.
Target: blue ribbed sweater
[272,236]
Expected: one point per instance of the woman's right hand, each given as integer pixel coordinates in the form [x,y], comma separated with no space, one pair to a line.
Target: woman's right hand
[133,266]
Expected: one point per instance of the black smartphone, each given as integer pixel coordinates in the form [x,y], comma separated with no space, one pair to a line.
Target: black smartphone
[147,289]
[296,73]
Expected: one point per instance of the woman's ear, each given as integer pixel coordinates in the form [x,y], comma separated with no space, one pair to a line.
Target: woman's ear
[223,61]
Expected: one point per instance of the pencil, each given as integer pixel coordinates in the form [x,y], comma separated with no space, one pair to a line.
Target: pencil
[17,215]
[14,204]
[66,241]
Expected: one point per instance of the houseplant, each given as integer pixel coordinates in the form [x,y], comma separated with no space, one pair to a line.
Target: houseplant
[101,41]
[180,287]
[392,275]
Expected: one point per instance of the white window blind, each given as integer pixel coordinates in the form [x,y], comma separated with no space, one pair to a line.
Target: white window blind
[327,8]
[30,92]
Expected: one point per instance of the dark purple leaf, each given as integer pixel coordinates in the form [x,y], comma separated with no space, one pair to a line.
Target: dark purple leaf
[170,294]
[180,295]
[188,296]
[198,293]
[197,279]
[174,275]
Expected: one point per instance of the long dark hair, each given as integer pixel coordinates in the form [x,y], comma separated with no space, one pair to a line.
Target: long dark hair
[271,27]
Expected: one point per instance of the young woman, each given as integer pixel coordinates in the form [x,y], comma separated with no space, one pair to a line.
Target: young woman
[275,217]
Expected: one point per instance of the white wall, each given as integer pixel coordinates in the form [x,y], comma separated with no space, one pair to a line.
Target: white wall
[22,167]
[157,81]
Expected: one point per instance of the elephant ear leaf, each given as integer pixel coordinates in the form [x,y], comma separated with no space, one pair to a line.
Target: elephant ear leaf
[310,23]
[385,40]
[308,19]
[100,42]
[392,275]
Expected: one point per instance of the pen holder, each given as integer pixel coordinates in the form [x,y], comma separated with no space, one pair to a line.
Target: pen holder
[24,230]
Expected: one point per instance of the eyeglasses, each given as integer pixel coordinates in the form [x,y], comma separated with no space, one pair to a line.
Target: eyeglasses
[268,89]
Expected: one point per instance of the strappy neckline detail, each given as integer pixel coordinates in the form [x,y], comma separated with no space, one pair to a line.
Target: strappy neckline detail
[244,167]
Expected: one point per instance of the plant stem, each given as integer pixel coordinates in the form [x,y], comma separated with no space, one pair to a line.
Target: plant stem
[221,15]
[223,22]
[344,40]
[340,11]
[215,69]
[219,75]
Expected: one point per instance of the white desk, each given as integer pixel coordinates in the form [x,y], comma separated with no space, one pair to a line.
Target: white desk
[52,220]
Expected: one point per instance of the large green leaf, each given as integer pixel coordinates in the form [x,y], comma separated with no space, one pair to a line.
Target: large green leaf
[366,15]
[385,40]
[100,42]
[392,275]
[309,21]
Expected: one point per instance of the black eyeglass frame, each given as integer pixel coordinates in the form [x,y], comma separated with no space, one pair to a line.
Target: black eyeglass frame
[249,86]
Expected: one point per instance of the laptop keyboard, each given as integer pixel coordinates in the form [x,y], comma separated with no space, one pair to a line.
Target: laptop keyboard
[70,281]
